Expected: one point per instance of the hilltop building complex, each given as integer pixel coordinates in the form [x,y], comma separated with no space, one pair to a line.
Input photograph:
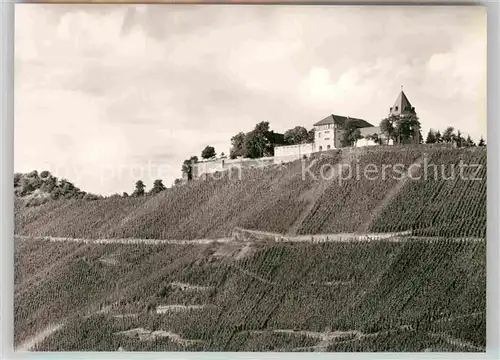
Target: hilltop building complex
[328,135]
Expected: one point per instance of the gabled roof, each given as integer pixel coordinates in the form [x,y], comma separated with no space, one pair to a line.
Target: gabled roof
[341,120]
[402,106]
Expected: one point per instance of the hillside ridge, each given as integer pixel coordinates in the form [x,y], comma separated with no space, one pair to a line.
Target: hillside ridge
[280,199]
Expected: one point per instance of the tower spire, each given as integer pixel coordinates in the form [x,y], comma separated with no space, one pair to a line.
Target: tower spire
[402,106]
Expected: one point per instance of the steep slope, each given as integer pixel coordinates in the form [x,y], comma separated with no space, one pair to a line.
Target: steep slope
[254,291]
[279,296]
[280,199]
[447,201]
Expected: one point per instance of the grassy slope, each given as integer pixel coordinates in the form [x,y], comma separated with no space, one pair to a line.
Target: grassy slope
[438,207]
[374,288]
[267,199]
[371,287]
[272,199]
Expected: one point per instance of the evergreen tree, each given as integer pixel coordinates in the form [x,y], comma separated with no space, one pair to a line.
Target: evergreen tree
[139,188]
[439,137]
[469,141]
[157,187]
[458,139]
[431,137]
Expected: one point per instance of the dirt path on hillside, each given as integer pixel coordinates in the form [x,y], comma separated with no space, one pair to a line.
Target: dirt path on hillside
[314,194]
[129,241]
[327,337]
[375,213]
[264,237]
[150,335]
[162,309]
[187,287]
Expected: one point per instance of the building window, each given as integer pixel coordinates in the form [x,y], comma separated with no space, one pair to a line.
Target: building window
[327,138]
[327,147]
[320,148]
[319,135]
[396,108]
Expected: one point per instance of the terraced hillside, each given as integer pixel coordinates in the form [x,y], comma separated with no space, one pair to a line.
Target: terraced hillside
[247,296]
[281,199]
[307,278]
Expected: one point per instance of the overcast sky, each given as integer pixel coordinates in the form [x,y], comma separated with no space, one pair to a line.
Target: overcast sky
[104,91]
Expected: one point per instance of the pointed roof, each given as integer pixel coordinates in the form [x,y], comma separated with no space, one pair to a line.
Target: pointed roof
[402,106]
[341,120]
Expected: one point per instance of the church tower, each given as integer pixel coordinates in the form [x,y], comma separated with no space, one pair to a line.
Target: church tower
[402,106]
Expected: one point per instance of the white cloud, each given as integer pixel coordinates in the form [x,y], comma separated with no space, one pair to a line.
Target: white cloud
[124,85]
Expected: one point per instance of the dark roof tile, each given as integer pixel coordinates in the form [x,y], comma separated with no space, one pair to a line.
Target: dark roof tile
[341,120]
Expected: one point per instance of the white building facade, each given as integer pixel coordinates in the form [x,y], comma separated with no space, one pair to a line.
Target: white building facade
[328,133]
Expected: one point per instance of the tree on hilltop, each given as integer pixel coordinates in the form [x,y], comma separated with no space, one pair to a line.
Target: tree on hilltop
[208,152]
[237,145]
[458,139]
[448,134]
[439,137]
[296,135]
[49,184]
[44,186]
[407,127]
[310,135]
[17,179]
[387,128]
[431,137]
[481,142]
[256,145]
[469,141]
[401,128]
[351,134]
[139,188]
[44,174]
[187,166]
[265,138]
[157,187]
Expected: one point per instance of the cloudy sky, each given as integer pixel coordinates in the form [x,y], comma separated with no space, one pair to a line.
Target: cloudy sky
[108,94]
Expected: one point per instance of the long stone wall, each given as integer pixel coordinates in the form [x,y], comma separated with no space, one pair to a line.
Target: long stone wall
[286,154]
[283,154]
[220,165]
